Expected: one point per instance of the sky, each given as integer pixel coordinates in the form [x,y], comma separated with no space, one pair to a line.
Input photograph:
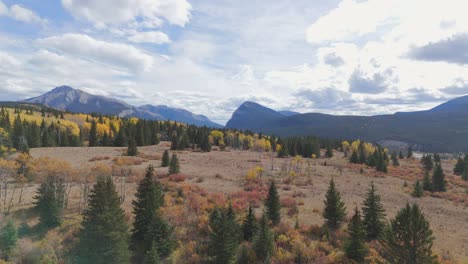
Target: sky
[329,56]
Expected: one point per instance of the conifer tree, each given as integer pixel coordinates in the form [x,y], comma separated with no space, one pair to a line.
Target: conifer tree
[205,144]
[50,202]
[374,214]
[354,158]
[223,239]
[400,155]
[410,153]
[174,142]
[465,174]
[273,205]
[165,159]
[104,234]
[8,239]
[263,241]
[408,238]
[459,166]
[93,135]
[334,211]
[329,152]
[418,189]
[149,198]
[174,166]
[427,184]
[249,225]
[438,179]
[152,256]
[132,149]
[355,246]
[395,161]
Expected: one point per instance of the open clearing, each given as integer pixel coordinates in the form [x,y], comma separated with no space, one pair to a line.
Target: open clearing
[224,171]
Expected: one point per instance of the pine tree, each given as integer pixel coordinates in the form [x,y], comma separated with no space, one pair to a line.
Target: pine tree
[223,240]
[174,166]
[334,211]
[273,205]
[149,198]
[354,158]
[408,238]
[400,155]
[427,184]
[104,234]
[418,189]
[263,241]
[438,179]
[355,246]
[8,238]
[93,135]
[465,173]
[165,159]
[160,234]
[205,145]
[410,153]
[395,161]
[459,166]
[152,256]
[329,152]
[249,226]
[132,149]
[50,201]
[174,142]
[374,214]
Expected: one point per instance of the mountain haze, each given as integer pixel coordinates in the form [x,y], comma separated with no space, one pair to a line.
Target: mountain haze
[75,100]
[443,128]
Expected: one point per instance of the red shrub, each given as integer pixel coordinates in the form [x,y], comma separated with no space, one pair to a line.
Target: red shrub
[179,177]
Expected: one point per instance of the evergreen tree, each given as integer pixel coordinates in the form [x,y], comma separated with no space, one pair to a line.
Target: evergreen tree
[428,163]
[438,179]
[465,174]
[152,256]
[223,240]
[395,161]
[104,234]
[355,246]
[400,155]
[410,153]
[263,241]
[408,239]
[8,238]
[205,145]
[273,205]
[174,142]
[120,140]
[93,135]
[50,202]
[427,184]
[459,166]
[174,166]
[149,198]
[249,226]
[329,152]
[165,159]
[374,214]
[132,149]
[334,211]
[418,189]
[354,158]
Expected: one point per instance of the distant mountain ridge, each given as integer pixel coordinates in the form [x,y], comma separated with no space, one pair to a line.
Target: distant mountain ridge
[443,128]
[75,100]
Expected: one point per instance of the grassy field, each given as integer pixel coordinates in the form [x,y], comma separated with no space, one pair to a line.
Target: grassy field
[225,172]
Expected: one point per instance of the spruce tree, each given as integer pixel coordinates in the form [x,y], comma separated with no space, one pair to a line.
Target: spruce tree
[174,142]
[205,145]
[249,225]
[263,241]
[427,184]
[145,232]
[334,211]
[104,233]
[418,189]
[165,159]
[174,166]
[132,149]
[93,135]
[400,155]
[8,239]
[465,173]
[329,152]
[408,238]
[273,205]
[409,153]
[374,214]
[223,239]
[354,158]
[152,256]
[438,179]
[50,201]
[355,246]
[459,166]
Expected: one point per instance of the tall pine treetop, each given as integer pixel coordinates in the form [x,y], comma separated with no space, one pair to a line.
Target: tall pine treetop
[334,211]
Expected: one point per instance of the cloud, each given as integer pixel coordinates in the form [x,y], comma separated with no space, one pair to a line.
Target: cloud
[155,37]
[326,98]
[359,83]
[459,87]
[84,46]
[452,50]
[333,59]
[20,13]
[144,13]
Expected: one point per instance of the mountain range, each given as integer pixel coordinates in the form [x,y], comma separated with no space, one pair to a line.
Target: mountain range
[443,128]
[75,100]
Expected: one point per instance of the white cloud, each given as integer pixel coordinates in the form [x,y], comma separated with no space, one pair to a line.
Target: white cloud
[110,53]
[20,13]
[117,12]
[155,37]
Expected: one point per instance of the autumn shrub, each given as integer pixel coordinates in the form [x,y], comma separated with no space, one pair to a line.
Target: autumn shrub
[179,177]
[98,158]
[288,202]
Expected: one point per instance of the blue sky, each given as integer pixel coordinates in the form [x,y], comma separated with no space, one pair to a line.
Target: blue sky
[330,56]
